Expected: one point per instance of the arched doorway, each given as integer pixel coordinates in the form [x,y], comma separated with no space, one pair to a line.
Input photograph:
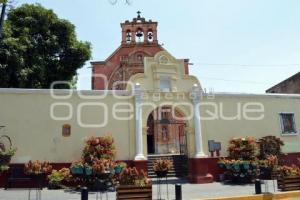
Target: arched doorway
[166,132]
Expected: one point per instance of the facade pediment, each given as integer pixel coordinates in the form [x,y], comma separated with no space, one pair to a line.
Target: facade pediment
[164,73]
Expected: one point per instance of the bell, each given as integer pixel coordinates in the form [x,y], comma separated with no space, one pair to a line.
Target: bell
[128,37]
[139,34]
[150,36]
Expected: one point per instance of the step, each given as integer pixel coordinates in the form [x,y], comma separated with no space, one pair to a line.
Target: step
[179,169]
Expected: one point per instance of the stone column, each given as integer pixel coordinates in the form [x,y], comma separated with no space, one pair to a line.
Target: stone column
[145,32]
[155,36]
[138,124]
[196,94]
[133,36]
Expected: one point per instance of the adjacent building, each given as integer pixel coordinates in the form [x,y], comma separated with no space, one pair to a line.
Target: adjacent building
[288,86]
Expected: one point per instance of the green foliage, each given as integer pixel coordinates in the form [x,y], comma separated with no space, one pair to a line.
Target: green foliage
[57,176]
[9,152]
[38,48]
[270,145]
[4,168]
[242,148]
[131,176]
[99,148]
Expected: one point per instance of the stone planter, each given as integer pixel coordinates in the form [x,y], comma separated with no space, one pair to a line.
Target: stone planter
[128,192]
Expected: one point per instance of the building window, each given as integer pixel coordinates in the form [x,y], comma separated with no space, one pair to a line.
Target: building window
[287,122]
[165,84]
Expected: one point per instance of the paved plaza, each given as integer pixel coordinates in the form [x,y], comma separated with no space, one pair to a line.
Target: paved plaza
[190,191]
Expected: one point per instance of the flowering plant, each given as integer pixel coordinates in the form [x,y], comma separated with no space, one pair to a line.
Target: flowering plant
[131,176]
[242,148]
[6,153]
[101,166]
[286,171]
[77,164]
[271,162]
[57,176]
[162,165]
[121,164]
[37,167]
[270,145]
[98,148]
[119,167]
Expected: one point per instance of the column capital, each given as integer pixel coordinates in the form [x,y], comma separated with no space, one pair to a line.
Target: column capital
[138,93]
[196,93]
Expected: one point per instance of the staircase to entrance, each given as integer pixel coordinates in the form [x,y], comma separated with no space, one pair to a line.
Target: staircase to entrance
[180,165]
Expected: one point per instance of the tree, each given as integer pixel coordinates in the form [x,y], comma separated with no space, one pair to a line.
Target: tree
[38,48]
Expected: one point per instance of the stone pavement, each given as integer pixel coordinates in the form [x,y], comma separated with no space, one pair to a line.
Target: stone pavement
[190,191]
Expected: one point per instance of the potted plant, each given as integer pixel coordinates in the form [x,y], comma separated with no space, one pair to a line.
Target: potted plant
[270,145]
[289,177]
[77,168]
[57,177]
[3,168]
[88,170]
[268,166]
[240,167]
[103,167]
[98,148]
[120,166]
[162,166]
[242,148]
[221,162]
[38,170]
[6,153]
[132,183]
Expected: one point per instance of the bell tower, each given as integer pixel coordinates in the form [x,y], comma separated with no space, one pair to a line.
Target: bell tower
[139,31]
[139,40]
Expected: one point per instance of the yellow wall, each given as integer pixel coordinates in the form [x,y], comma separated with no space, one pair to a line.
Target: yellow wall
[26,115]
[223,131]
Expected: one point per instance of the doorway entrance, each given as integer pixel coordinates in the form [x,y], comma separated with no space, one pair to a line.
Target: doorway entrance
[166,132]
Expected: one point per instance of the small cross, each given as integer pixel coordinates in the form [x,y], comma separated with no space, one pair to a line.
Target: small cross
[139,14]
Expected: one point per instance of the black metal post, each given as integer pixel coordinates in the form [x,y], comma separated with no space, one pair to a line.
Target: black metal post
[178,192]
[257,186]
[84,193]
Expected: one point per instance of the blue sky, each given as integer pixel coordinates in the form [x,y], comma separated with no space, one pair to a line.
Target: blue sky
[258,41]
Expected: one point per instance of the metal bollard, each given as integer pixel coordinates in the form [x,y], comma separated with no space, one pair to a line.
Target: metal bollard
[257,186]
[84,193]
[178,192]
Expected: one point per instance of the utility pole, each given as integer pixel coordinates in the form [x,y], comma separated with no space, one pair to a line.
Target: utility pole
[4,4]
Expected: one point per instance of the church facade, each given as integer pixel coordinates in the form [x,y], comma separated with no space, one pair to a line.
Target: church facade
[151,105]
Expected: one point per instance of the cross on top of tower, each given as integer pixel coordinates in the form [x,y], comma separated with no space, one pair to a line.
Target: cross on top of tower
[139,14]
